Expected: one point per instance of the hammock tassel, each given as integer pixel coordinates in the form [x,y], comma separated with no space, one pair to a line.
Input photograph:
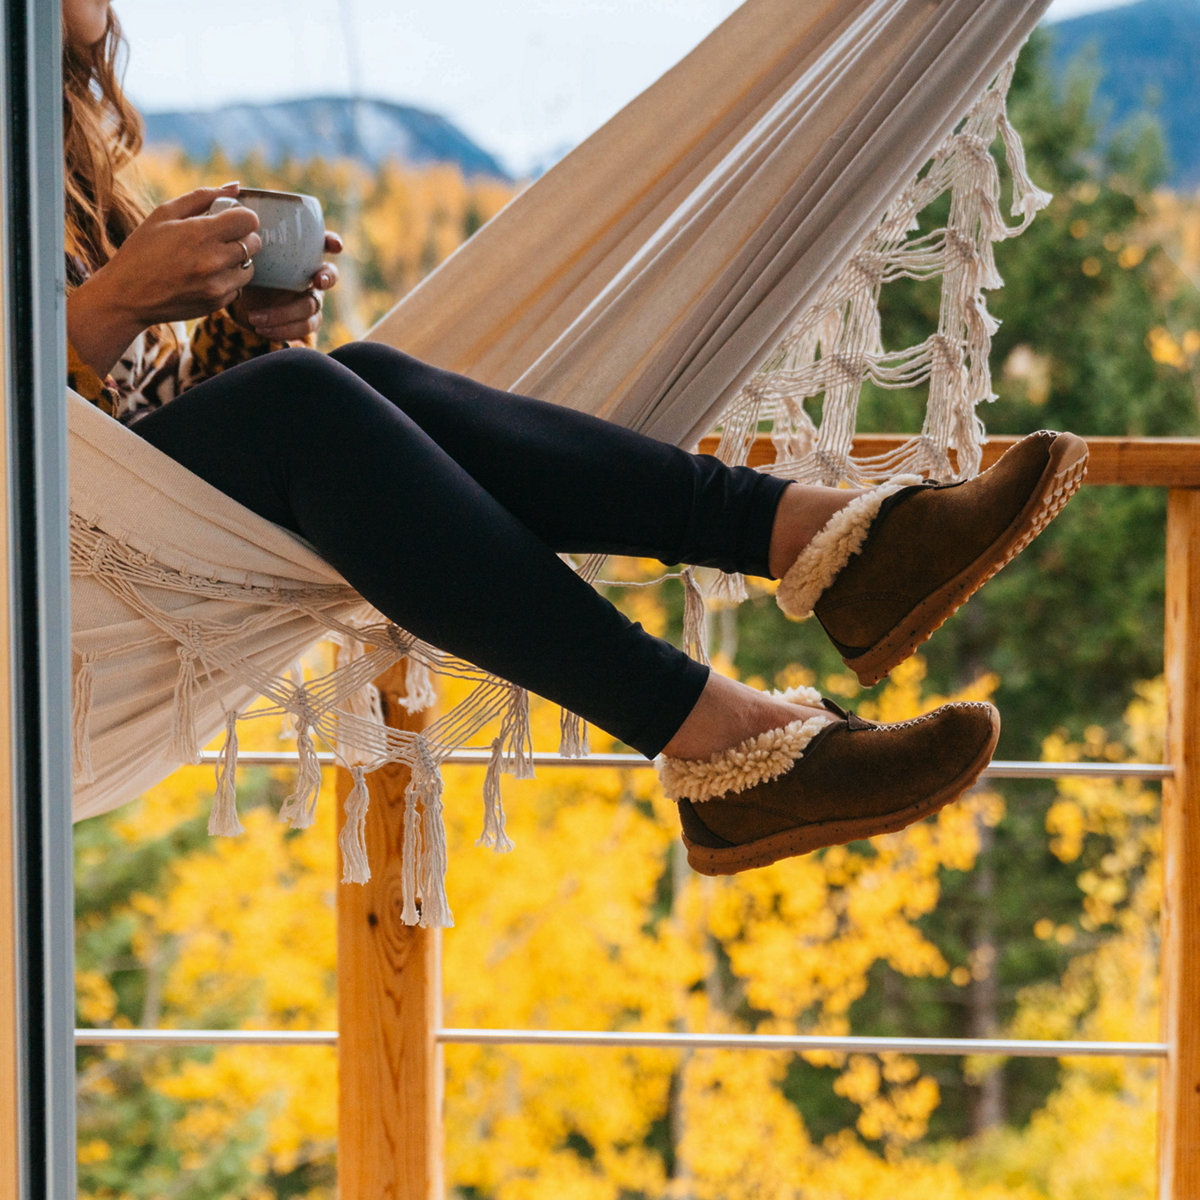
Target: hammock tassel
[223,820]
[695,618]
[517,737]
[422,779]
[494,835]
[353,839]
[435,907]
[81,718]
[419,692]
[185,744]
[423,861]
[573,736]
[300,808]
[728,591]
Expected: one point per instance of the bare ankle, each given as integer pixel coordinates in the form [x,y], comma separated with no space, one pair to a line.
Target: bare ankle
[729,712]
[804,510]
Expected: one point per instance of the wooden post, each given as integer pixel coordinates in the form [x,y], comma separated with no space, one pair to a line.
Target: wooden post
[389,1009]
[1179,1097]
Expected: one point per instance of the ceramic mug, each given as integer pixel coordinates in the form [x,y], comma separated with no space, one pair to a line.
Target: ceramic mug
[292,228]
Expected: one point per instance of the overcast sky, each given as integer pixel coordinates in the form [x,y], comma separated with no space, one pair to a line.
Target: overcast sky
[524,78]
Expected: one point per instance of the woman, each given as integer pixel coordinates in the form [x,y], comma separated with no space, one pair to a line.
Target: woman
[431,483]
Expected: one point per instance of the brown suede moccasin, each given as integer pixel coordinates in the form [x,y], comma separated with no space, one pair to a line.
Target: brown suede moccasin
[824,781]
[892,565]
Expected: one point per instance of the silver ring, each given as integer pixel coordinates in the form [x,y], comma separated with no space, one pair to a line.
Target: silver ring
[316,301]
[249,261]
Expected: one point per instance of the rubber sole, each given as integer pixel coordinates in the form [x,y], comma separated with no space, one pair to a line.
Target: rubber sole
[803,839]
[1060,480]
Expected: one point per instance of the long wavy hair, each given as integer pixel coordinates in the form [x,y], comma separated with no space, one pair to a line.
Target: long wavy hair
[102,134]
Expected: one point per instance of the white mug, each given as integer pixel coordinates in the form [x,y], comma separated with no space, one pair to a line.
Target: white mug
[292,228]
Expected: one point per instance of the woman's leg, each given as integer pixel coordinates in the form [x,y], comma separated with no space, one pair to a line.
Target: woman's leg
[305,442]
[584,485]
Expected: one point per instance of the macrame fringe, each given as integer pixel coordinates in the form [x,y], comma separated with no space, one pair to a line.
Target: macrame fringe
[435,907]
[837,344]
[352,841]
[361,703]
[494,835]
[293,677]
[516,736]
[572,736]
[300,808]
[419,692]
[185,742]
[223,819]
[82,687]
[728,590]
[410,914]
[423,862]
[695,618]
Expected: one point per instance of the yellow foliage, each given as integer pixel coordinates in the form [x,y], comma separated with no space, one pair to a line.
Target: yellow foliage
[95,999]
[1095,1135]
[1165,349]
[94,1150]
[560,935]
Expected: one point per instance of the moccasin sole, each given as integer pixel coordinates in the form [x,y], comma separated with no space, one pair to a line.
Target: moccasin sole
[1061,478]
[803,839]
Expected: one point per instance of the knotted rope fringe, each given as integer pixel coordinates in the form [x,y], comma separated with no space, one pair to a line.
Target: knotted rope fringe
[423,861]
[185,742]
[223,820]
[352,841]
[837,346]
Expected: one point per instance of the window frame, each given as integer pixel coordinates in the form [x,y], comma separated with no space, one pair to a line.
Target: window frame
[36,649]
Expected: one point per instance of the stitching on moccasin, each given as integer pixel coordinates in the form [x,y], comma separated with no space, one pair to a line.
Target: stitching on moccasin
[933,712]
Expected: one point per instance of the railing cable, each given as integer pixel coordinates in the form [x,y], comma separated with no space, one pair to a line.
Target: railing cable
[798,1043]
[998,769]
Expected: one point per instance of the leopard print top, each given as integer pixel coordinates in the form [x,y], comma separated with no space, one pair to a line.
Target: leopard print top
[163,361]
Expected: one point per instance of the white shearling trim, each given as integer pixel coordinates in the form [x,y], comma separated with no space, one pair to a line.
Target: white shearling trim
[838,540]
[800,695]
[755,760]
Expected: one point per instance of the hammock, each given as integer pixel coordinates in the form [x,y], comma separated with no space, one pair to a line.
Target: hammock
[717,248]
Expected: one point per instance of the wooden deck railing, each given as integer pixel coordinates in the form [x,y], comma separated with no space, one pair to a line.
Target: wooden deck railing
[389,974]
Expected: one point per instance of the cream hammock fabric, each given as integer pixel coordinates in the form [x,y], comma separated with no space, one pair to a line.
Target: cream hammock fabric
[713,254]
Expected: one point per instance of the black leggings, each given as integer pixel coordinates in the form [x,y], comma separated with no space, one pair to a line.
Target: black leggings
[445,503]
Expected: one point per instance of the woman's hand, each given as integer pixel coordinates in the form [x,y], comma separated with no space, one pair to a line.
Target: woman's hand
[288,316]
[179,263]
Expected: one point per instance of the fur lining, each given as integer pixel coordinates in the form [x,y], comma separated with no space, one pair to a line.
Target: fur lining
[842,537]
[753,761]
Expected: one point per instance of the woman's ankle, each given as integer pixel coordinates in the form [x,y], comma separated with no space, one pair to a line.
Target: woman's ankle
[728,713]
[804,510]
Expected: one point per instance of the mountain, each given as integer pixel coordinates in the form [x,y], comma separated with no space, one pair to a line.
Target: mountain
[371,131]
[1148,55]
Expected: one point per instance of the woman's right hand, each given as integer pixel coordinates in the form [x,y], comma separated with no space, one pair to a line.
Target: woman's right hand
[181,262]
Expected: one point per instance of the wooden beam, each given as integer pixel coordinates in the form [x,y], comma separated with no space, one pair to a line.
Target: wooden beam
[389,1009]
[1127,462]
[1179,1096]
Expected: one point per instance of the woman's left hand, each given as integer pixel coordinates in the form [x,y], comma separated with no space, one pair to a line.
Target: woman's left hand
[288,316]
